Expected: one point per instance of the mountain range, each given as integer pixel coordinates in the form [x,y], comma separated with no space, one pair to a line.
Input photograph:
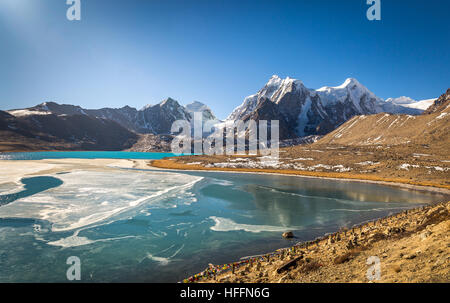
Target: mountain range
[153,119]
[304,112]
[301,111]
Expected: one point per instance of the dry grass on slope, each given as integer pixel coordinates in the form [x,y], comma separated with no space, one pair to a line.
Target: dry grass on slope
[387,129]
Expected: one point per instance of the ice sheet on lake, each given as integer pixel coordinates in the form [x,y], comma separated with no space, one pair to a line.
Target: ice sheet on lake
[10,188]
[88,197]
[224,224]
[12,172]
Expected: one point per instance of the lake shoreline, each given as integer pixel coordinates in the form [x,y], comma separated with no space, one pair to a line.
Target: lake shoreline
[168,164]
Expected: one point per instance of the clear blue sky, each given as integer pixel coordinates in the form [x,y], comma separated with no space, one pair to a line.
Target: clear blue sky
[137,52]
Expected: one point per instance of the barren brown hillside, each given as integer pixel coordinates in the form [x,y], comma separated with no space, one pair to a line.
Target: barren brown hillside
[431,128]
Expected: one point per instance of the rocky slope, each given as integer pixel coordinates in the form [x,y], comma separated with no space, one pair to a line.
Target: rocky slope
[442,104]
[47,131]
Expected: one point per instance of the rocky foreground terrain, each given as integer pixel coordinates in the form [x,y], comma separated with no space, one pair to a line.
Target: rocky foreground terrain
[412,246]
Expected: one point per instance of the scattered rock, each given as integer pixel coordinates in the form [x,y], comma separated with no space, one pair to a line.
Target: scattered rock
[353,242]
[289,264]
[376,237]
[409,257]
[283,279]
[425,234]
[396,268]
[288,235]
[439,262]
[349,244]
[258,266]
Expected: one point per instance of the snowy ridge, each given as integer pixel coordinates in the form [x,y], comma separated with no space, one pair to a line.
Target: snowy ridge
[411,103]
[350,89]
[251,101]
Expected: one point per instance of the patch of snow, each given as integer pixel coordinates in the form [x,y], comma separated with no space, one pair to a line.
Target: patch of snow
[338,168]
[238,160]
[367,163]
[441,116]
[393,122]
[302,119]
[25,112]
[406,166]
[438,168]
[420,155]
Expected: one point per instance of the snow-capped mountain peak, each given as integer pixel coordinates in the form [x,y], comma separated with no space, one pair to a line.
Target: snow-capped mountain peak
[169,102]
[197,106]
[274,79]
[349,84]
[351,91]
[401,100]
[146,106]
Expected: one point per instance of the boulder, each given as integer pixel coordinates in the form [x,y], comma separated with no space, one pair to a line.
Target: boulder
[288,235]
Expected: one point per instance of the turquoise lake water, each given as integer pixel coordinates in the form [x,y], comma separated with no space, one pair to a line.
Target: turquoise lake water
[160,226]
[83,155]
